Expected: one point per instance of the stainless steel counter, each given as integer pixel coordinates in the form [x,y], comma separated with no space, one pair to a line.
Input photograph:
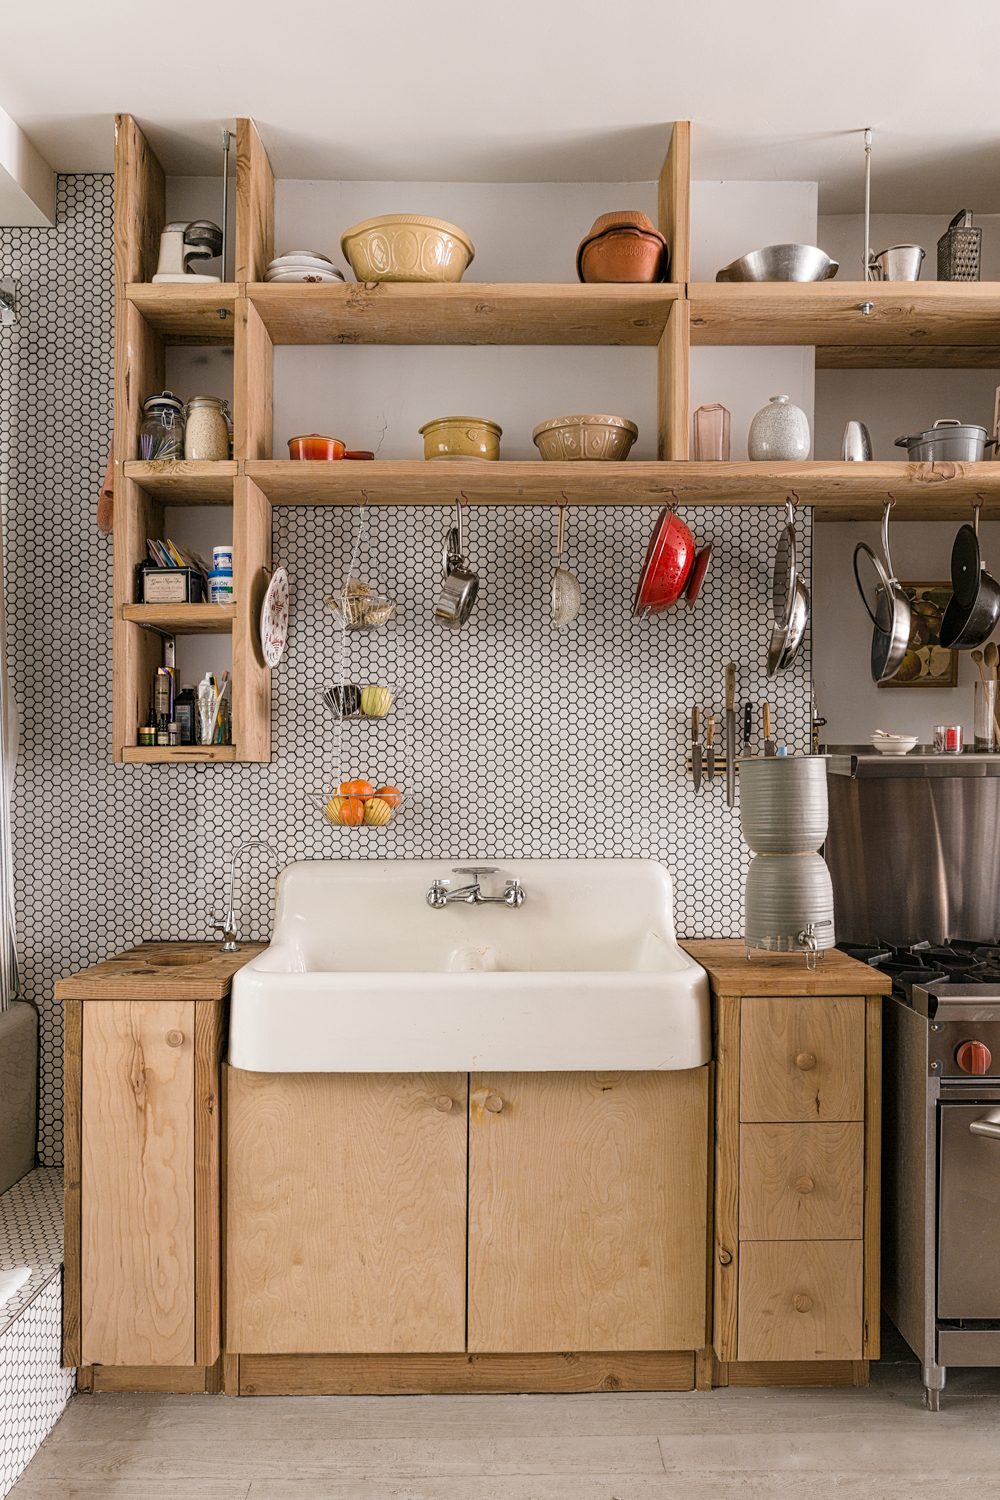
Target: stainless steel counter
[862,760]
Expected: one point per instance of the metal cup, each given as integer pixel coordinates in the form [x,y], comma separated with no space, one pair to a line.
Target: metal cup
[898,263]
[857,444]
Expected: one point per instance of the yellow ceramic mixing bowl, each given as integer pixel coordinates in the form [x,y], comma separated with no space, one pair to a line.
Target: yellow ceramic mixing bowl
[407,247]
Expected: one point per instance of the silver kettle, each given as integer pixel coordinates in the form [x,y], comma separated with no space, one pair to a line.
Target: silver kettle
[460,585]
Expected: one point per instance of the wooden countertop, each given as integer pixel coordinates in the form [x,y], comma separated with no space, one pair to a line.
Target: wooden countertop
[782,973]
[160,971]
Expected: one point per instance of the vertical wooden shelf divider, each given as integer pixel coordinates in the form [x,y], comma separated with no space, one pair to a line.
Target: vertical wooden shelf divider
[673,352]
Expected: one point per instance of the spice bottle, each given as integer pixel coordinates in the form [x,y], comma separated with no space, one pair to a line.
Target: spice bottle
[206,435]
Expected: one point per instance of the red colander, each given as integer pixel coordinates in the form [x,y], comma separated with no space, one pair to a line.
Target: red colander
[667,569]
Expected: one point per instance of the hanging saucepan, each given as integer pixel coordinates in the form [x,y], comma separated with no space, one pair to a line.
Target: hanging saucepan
[460,585]
[789,600]
[886,603]
[972,615]
[667,570]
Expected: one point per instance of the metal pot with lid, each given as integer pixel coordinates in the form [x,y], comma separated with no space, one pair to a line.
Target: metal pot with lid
[947,441]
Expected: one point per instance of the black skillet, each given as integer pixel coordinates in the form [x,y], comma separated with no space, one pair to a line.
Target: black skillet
[972,615]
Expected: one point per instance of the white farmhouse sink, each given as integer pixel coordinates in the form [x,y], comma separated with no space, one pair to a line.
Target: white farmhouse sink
[363,976]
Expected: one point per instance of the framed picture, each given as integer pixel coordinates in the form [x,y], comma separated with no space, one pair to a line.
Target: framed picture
[927,664]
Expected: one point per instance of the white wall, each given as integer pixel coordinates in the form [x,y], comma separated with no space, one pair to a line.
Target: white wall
[729,219]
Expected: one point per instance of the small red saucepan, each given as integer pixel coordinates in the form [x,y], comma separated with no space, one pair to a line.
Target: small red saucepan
[314,445]
[669,562]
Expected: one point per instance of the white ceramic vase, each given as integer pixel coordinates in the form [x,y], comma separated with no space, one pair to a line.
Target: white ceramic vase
[779,432]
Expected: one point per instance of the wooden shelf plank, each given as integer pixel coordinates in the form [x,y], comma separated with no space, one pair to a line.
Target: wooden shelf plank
[179,482]
[908,356]
[179,754]
[904,313]
[184,619]
[840,491]
[187,314]
[466,313]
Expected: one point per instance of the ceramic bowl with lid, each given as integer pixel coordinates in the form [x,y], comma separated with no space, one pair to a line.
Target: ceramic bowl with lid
[622,247]
[585,437]
[407,247]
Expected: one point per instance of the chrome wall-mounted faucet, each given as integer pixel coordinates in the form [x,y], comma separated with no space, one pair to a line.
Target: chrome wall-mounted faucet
[439,895]
[227,925]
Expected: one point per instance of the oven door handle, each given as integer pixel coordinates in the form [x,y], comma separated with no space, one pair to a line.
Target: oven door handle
[988,1125]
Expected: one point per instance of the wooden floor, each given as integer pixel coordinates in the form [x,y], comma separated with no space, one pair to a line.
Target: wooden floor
[875,1444]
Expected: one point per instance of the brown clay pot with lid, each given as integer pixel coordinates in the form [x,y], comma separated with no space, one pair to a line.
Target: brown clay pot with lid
[623,246]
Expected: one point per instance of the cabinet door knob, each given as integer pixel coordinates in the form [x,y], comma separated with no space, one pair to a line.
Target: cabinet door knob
[174,1039]
[802,1303]
[804,1184]
[805,1061]
[494,1104]
[443,1102]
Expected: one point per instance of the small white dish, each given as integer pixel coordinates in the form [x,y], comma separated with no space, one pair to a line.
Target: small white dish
[274,618]
[300,262]
[894,744]
[304,274]
[303,255]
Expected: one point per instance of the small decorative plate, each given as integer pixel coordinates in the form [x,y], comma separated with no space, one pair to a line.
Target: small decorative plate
[274,618]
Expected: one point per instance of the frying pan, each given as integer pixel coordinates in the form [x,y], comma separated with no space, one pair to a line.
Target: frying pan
[789,600]
[667,569]
[971,617]
[886,603]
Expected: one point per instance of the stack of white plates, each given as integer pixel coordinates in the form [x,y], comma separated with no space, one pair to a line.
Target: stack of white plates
[303,265]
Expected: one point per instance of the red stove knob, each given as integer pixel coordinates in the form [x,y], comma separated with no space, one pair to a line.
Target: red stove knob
[973,1057]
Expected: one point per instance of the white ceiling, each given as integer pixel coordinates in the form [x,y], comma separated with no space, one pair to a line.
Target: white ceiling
[529,90]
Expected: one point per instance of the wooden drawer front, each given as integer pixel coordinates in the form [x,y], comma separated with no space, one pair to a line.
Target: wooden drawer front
[802,1182]
[802,1058]
[801,1300]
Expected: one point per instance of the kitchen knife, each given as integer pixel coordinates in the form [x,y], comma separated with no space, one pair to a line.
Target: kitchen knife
[747,727]
[766,720]
[710,748]
[731,734]
[696,749]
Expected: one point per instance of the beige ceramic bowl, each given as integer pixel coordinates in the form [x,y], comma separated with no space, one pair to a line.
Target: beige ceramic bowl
[564,438]
[461,437]
[407,247]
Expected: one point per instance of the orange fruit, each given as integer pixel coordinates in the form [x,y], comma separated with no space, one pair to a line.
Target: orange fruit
[357,789]
[347,810]
[390,794]
[377,811]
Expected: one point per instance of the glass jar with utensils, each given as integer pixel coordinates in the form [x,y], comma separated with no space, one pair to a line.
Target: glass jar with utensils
[161,433]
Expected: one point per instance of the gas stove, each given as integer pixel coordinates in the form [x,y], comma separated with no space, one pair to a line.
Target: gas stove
[933,966]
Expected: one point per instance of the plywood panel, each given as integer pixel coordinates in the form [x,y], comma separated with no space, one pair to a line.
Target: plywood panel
[873,1175]
[346,1217]
[587,1211]
[732,973]
[672,387]
[254,205]
[800,1060]
[251,678]
[726,1010]
[801,1300]
[160,971]
[802,1181]
[253,385]
[438,1374]
[137,1183]
[210,1033]
[72,1088]
[675,201]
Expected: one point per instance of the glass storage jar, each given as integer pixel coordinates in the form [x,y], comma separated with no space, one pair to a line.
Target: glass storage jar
[161,434]
[206,433]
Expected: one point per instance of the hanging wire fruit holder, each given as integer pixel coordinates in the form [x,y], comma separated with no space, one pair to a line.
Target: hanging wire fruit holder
[369,783]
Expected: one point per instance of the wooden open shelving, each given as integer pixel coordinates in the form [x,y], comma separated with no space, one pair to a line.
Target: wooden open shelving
[911,325]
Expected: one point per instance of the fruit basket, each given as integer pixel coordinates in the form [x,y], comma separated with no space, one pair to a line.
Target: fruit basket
[360,700]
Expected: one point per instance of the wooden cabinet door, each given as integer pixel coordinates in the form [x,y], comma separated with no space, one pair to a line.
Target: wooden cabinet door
[802,1182]
[587,1211]
[346,1213]
[137,1184]
[802,1058]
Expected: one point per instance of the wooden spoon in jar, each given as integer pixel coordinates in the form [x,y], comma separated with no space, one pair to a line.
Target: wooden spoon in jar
[991,656]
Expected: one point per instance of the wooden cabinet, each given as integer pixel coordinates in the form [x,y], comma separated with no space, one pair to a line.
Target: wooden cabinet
[144,1036]
[797,1165]
[587,1211]
[348,1195]
[346,1212]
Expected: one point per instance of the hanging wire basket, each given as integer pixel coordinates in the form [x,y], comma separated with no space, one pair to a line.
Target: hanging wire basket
[365,790]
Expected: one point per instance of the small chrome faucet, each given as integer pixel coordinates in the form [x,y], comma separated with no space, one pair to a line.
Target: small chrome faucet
[439,895]
[227,925]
